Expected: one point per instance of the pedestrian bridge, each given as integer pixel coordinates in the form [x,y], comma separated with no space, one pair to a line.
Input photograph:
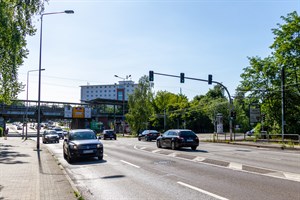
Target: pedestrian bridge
[100,108]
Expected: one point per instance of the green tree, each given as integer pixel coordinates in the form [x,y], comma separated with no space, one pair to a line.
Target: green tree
[262,79]
[140,107]
[15,25]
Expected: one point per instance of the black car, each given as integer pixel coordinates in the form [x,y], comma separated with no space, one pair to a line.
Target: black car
[59,131]
[82,143]
[178,138]
[109,134]
[148,135]
[50,136]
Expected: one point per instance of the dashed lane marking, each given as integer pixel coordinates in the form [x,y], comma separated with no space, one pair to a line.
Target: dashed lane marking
[202,191]
[128,163]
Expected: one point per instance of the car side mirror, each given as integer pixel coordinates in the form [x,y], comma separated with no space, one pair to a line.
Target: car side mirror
[99,137]
[66,140]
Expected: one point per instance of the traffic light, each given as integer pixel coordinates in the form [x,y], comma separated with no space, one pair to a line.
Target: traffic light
[181,77]
[233,114]
[151,76]
[209,79]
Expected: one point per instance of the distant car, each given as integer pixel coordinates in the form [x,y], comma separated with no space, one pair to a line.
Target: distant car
[82,143]
[109,133]
[148,135]
[59,131]
[250,133]
[20,127]
[50,136]
[177,138]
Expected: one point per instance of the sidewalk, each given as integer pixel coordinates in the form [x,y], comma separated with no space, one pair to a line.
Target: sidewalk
[27,174]
[240,141]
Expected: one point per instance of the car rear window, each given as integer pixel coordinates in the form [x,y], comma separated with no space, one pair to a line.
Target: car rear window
[187,134]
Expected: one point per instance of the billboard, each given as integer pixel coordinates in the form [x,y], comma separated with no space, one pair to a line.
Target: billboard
[78,112]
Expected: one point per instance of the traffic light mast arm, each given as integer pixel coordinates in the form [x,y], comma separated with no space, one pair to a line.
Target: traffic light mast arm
[198,79]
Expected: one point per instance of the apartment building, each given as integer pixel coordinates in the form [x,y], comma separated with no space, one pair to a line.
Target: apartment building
[115,91]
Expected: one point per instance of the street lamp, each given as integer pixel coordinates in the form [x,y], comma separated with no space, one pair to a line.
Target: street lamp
[40,66]
[27,87]
[127,76]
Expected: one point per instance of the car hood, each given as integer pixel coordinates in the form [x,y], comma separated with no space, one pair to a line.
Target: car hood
[83,142]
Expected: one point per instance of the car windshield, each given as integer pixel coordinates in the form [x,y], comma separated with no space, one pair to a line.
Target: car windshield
[51,132]
[82,136]
[109,132]
[187,133]
[57,129]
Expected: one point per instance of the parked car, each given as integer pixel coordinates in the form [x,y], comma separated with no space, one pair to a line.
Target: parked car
[20,127]
[250,133]
[59,131]
[176,138]
[82,143]
[148,135]
[50,136]
[109,133]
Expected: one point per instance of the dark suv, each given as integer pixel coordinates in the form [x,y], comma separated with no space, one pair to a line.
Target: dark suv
[109,134]
[82,143]
[177,138]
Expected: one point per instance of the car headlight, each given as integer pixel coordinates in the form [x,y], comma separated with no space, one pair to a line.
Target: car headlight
[73,146]
[99,146]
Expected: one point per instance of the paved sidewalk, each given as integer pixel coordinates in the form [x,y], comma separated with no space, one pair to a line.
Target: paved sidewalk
[27,174]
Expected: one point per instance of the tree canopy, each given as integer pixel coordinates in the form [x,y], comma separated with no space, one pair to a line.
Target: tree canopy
[15,24]
[262,78]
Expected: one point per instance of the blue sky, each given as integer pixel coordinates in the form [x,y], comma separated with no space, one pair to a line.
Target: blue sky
[106,38]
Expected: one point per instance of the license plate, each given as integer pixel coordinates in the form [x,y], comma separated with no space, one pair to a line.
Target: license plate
[88,151]
[189,140]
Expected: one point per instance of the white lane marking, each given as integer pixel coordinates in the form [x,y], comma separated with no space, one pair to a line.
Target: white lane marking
[199,159]
[236,166]
[128,163]
[155,151]
[202,191]
[292,176]
[143,148]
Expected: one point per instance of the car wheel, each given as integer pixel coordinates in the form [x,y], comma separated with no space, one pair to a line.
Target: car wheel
[57,141]
[65,156]
[100,157]
[146,139]
[173,145]
[194,148]
[115,138]
[70,159]
[139,139]
[158,144]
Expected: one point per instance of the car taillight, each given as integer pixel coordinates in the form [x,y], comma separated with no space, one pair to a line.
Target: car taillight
[180,138]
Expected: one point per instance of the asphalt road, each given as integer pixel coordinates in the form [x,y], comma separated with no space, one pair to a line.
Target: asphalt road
[134,169]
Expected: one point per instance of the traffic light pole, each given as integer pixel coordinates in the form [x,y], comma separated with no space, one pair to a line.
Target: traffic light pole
[204,80]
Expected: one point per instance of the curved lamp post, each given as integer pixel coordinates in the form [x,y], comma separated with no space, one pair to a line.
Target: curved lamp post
[123,99]
[27,87]
[40,64]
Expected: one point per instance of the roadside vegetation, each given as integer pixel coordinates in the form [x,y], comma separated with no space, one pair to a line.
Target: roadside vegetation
[260,85]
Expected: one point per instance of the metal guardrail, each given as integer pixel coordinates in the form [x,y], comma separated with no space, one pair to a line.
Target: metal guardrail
[268,137]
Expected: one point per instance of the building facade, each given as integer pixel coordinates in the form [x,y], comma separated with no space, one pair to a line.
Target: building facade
[115,91]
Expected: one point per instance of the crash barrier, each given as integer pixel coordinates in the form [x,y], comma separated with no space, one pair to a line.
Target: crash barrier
[278,137]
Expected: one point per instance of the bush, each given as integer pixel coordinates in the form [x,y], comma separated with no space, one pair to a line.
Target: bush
[1,132]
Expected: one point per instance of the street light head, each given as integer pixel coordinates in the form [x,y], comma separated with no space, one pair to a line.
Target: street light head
[69,11]
[42,69]
[116,76]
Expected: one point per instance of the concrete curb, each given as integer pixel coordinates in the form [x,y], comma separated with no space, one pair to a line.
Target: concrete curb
[259,145]
[65,173]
